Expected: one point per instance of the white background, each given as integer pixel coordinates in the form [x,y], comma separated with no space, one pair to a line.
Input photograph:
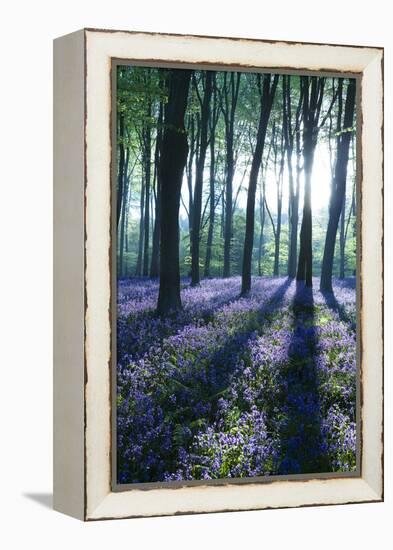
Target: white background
[28,28]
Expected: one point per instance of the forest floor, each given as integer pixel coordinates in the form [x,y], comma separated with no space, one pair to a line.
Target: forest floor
[236,387]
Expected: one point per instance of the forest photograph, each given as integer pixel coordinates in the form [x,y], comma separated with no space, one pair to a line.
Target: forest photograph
[236,266]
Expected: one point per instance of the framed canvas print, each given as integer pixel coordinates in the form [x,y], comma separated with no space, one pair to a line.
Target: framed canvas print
[218,274]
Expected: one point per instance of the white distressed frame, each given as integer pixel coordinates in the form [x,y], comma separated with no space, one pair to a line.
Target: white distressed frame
[95,499]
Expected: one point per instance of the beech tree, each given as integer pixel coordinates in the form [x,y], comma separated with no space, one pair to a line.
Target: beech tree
[146,137]
[312,91]
[155,253]
[212,176]
[339,184]
[267,96]
[173,158]
[242,152]
[229,100]
[200,166]
[291,133]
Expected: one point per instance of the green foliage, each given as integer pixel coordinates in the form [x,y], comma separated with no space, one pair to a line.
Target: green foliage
[141,90]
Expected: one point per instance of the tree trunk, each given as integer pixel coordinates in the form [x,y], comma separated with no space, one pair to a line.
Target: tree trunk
[229,116]
[196,237]
[312,102]
[279,184]
[293,205]
[209,243]
[121,168]
[276,267]
[212,177]
[304,271]
[338,188]
[139,261]
[189,170]
[262,225]
[172,162]
[228,214]
[126,236]
[342,240]
[155,252]
[123,217]
[147,162]
[267,97]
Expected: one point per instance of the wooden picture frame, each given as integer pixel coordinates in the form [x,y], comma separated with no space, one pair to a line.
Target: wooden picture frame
[83,274]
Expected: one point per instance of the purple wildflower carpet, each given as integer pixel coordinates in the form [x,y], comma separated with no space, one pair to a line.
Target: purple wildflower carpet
[236,387]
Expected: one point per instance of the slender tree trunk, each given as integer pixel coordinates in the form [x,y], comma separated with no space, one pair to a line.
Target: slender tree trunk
[126,229]
[262,209]
[342,240]
[190,175]
[155,253]
[222,231]
[204,124]
[279,184]
[209,243]
[276,267]
[228,214]
[351,212]
[173,158]
[312,102]
[123,217]
[122,230]
[139,261]
[267,97]
[120,178]
[212,177]
[304,271]
[295,223]
[262,225]
[147,163]
[338,188]
[293,204]
[126,244]
[229,117]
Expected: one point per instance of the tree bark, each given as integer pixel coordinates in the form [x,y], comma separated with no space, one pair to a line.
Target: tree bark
[212,177]
[262,225]
[267,97]
[193,146]
[229,108]
[342,240]
[147,167]
[289,141]
[155,252]
[123,217]
[209,243]
[279,186]
[172,162]
[120,179]
[200,166]
[312,102]
[139,261]
[338,188]
[126,236]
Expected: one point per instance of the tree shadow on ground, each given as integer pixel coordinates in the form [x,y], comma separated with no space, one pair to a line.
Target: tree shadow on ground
[225,360]
[191,397]
[130,327]
[301,430]
[333,304]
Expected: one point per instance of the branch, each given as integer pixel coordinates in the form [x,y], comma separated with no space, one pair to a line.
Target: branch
[270,216]
[329,110]
[185,207]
